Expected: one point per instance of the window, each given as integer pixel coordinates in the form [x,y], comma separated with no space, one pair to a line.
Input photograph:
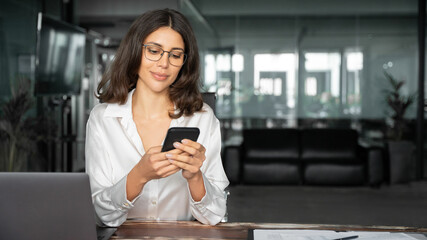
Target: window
[321,96]
[352,82]
[274,74]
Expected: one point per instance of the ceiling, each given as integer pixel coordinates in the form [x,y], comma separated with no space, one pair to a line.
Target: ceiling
[112,18]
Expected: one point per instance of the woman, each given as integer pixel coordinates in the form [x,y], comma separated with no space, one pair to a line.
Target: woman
[152,85]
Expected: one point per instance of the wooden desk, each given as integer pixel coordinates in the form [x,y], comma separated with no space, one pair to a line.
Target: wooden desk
[196,230]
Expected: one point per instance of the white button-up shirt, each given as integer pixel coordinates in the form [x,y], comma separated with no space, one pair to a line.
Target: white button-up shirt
[113,148]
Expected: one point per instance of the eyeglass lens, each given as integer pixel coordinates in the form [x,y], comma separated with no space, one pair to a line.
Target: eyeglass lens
[154,53]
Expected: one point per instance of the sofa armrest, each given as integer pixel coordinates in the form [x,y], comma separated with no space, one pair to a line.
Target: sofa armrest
[232,163]
[374,164]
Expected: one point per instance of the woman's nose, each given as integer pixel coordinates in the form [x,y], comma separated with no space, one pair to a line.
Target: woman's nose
[163,61]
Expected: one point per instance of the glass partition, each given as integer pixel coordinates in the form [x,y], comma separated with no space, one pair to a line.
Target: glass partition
[300,67]
[308,66]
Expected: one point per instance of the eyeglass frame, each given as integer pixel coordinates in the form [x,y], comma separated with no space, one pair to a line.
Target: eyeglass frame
[161,55]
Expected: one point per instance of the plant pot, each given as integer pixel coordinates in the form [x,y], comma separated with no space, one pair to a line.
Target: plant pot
[401,159]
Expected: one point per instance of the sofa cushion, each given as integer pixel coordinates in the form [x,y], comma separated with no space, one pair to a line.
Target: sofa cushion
[329,144]
[334,174]
[274,155]
[271,173]
[271,144]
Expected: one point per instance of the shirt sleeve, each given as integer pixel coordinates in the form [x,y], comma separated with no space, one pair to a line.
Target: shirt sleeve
[213,206]
[109,199]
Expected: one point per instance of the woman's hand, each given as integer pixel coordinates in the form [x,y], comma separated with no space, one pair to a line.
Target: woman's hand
[189,159]
[154,164]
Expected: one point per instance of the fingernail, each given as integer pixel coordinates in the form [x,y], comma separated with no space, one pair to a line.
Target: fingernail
[168,155]
[185,141]
[176,144]
[170,160]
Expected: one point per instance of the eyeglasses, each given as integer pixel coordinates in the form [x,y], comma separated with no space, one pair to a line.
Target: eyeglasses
[155,53]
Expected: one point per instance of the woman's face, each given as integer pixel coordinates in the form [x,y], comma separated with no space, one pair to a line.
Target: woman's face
[157,76]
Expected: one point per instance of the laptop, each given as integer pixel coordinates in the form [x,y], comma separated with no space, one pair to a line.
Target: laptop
[47,206]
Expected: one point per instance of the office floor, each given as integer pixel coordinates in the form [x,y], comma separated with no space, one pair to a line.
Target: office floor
[389,205]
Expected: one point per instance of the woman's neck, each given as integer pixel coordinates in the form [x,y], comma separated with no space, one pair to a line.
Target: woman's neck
[149,105]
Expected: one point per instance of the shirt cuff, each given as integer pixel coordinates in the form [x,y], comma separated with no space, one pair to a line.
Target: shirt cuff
[206,200]
[119,196]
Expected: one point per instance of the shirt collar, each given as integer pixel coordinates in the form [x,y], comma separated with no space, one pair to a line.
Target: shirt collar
[120,110]
[125,110]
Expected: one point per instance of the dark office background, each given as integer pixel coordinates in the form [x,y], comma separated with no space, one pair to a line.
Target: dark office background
[272,64]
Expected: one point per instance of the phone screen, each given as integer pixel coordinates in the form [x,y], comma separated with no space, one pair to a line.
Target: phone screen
[176,134]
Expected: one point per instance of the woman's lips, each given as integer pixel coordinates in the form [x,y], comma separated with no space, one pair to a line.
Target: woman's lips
[159,76]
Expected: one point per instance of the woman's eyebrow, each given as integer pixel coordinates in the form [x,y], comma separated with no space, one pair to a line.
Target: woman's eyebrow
[154,44]
[176,48]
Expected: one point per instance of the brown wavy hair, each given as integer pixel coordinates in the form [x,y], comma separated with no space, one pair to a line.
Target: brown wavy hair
[122,75]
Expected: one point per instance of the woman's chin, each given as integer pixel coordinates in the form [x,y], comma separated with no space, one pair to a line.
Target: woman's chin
[162,89]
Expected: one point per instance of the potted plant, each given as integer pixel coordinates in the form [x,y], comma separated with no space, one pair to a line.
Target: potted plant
[400,150]
[19,132]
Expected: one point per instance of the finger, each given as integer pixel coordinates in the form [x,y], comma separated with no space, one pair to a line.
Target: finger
[190,162]
[185,166]
[188,149]
[158,166]
[180,157]
[192,151]
[162,155]
[194,144]
[169,170]
[180,152]
[156,157]
[172,169]
[175,151]
[199,147]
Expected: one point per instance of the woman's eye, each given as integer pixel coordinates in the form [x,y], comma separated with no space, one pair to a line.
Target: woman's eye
[176,54]
[153,51]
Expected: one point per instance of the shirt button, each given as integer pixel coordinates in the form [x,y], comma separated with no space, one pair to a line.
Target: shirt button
[153,202]
[125,204]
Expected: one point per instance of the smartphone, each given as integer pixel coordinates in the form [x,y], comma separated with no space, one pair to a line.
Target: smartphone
[176,134]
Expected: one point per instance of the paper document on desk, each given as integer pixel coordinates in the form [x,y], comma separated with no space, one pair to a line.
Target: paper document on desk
[387,235]
[279,234]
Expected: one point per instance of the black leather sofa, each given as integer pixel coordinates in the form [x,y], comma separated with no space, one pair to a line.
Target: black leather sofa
[271,156]
[302,156]
[332,156]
